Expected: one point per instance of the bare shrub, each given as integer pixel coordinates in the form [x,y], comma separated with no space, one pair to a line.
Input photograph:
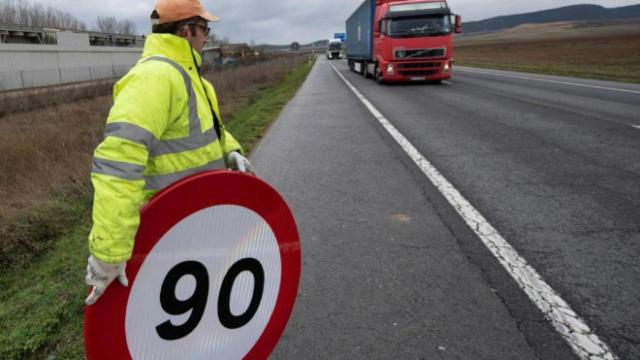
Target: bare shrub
[23,12]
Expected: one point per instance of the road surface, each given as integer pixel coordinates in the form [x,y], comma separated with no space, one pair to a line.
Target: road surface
[390,268]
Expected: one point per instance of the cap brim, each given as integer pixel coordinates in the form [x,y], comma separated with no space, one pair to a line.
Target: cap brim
[209,16]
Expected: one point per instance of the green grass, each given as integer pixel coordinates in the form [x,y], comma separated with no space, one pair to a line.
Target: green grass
[42,302]
[249,123]
[41,299]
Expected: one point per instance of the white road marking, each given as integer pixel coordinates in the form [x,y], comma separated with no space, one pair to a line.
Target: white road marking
[636,126]
[447,82]
[550,81]
[570,325]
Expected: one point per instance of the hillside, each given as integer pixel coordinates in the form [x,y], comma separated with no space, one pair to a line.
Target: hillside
[559,48]
[563,14]
[565,30]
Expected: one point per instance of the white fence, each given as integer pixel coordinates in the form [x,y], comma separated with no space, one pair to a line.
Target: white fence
[12,80]
[25,66]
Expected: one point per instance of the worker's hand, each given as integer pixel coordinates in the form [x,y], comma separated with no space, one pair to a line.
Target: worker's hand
[100,275]
[238,162]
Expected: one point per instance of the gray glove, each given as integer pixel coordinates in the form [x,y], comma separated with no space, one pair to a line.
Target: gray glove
[100,275]
[236,161]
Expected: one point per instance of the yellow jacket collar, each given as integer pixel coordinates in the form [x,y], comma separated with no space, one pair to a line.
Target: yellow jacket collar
[172,47]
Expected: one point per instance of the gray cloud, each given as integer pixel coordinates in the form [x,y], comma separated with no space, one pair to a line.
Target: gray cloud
[285,21]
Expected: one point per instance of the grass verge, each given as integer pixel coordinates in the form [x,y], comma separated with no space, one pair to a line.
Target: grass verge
[41,300]
[249,123]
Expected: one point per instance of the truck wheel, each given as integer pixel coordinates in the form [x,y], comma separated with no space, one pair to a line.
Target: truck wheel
[377,75]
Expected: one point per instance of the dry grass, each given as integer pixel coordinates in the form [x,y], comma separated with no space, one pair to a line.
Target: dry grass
[45,155]
[12,102]
[238,85]
[43,152]
[606,58]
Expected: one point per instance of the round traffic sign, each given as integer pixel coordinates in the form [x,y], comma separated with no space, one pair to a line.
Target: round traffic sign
[214,274]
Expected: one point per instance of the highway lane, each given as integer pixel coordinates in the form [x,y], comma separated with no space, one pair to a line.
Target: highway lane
[552,163]
[383,277]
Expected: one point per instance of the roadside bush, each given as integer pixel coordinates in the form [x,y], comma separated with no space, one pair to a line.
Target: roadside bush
[27,233]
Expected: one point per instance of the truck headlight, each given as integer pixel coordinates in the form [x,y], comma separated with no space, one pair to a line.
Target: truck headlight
[447,67]
[390,70]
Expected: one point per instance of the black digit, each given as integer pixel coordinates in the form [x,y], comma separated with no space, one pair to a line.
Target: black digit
[172,305]
[227,319]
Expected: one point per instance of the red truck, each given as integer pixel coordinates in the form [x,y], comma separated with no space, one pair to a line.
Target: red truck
[402,40]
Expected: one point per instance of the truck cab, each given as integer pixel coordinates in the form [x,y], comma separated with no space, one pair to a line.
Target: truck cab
[402,40]
[334,49]
[413,41]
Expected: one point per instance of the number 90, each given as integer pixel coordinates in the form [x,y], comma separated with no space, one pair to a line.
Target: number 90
[198,300]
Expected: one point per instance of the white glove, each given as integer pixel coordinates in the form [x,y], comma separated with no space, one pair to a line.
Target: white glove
[100,275]
[238,162]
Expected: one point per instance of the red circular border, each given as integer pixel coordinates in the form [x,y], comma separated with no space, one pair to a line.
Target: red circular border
[104,322]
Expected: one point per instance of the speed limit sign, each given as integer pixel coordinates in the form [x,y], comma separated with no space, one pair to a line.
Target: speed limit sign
[214,275]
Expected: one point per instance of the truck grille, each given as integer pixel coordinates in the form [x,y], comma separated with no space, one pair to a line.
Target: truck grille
[419,69]
[419,53]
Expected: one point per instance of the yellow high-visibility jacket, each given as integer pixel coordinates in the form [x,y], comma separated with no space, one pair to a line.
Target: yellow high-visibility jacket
[160,130]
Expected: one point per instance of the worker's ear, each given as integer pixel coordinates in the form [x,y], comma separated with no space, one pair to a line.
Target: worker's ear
[185,31]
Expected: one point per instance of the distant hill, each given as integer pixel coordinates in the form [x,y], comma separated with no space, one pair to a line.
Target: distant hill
[274,48]
[568,13]
[317,44]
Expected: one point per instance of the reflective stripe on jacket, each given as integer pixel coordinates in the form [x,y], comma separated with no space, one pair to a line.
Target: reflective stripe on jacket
[159,130]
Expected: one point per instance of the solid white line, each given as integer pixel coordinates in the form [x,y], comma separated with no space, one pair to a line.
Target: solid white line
[550,81]
[573,329]
[636,126]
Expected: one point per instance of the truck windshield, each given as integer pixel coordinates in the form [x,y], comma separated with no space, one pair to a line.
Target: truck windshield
[419,26]
[335,46]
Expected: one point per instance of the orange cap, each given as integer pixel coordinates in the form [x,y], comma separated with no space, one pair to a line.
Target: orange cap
[175,10]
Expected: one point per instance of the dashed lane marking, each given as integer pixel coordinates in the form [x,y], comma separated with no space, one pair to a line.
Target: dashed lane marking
[549,81]
[584,342]
[636,126]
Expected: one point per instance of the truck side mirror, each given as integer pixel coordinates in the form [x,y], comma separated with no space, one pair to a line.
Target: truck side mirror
[379,32]
[458,27]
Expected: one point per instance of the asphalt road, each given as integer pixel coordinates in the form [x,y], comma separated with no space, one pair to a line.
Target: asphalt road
[390,270]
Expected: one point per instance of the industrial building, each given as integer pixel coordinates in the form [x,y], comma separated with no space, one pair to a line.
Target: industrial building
[11,34]
[32,57]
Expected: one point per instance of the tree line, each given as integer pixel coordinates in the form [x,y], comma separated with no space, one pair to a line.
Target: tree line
[26,13]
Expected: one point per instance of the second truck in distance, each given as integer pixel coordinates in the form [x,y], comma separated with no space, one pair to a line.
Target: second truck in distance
[402,40]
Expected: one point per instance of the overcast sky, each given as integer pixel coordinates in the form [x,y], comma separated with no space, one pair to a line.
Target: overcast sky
[285,21]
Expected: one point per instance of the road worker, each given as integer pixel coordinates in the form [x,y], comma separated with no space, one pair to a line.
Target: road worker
[164,125]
